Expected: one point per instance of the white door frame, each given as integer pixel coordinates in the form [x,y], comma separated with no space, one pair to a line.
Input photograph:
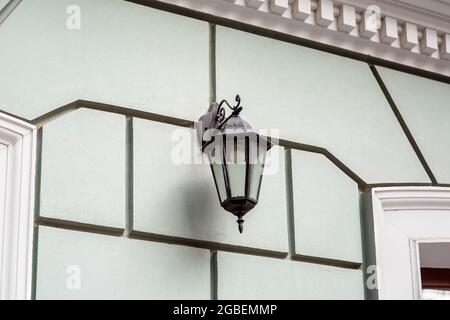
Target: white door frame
[403,217]
[17,178]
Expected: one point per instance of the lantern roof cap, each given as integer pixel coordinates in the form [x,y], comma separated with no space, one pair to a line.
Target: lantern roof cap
[236,125]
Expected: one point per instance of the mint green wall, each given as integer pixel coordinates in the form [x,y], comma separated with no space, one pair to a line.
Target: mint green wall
[83,168]
[317,98]
[123,54]
[117,268]
[252,277]
[327,222]
[98,171]
[181,200]
[425,106]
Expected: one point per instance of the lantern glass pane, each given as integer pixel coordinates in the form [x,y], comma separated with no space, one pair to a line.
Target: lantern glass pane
[256,172]
[257,157]
[236,165]
[217,170]
[216,161]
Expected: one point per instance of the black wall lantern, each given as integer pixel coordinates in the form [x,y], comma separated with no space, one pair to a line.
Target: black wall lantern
[236,154]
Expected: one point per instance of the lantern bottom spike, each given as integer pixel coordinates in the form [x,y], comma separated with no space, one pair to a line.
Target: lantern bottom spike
[240,222]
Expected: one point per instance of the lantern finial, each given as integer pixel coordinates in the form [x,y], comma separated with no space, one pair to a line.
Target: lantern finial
[240,222]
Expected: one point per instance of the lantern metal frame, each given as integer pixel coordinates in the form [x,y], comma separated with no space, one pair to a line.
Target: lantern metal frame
[216,121]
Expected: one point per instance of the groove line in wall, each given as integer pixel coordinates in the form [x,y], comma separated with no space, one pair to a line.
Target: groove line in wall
[201,244]
[205,244]
[214,276]
[37,205]
[79,226]
[314,149]
[389,185]
[367,243]
[8,9]
[290,201]
[403,124]
[212,63]
[58,112]
[129,209]
[135,113]
[326,261]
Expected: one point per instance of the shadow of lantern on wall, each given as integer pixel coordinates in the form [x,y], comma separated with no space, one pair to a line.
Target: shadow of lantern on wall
[236,154]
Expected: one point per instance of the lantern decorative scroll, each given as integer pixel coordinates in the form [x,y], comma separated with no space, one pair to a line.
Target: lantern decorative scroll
[236,154]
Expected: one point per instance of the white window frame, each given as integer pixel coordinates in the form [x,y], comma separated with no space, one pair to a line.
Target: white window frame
[415,253]
[399,214]
[17,178]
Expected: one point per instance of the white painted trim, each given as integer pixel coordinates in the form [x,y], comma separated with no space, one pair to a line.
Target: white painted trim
[307,26]
[415,199]
[415,269]
[403,218]
[17,207]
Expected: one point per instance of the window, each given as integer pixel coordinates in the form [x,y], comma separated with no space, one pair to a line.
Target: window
[434,258]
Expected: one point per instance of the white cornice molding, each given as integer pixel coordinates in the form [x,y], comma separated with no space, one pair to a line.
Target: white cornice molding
[413,198]
[433,14]
[17,172]
[392,41]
